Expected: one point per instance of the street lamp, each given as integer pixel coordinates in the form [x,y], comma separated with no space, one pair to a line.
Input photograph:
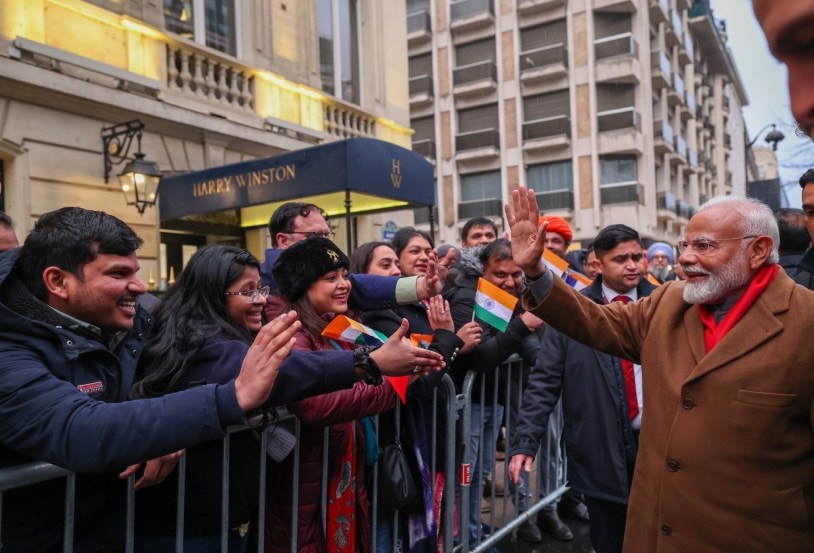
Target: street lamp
[139,179]
[772,137]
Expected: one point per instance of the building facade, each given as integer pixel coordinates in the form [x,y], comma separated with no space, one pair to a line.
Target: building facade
[213,81]
[613,111]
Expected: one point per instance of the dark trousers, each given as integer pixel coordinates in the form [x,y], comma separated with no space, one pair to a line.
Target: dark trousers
[607,524]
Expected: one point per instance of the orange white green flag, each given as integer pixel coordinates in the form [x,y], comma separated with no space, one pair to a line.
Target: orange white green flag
[493,305]
[347,330]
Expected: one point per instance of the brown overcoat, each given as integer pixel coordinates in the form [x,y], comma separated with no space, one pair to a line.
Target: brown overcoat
[726,458]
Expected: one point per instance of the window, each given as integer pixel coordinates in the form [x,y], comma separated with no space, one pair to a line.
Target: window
[546,115]
[551,177]
[475,52]
[614,170]
[339,48]
[541,36]
[480,195]
[553,183]
[477,128]
[618,180]
[608,24]
[209,22]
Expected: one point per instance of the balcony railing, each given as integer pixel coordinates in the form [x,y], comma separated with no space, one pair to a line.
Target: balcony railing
[660,61]
[469,8]
[480,71]
[480,208]
[486,138]
[616,119]
[665,200]
[618,45]
[558,125]
[419,22]
[421,85]
[663,129]
[725,102]
[681,145]
[345,121]
[620,193]
[678,84]
[558,199]
[543,57]
[425,147]
[727,140]
[683,209]
[209,77]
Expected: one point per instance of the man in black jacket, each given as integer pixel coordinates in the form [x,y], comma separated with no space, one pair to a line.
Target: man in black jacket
[601,398]
[803,273]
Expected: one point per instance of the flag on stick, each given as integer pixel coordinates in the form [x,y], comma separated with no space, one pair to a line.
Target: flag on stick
[493,305]
[347,330]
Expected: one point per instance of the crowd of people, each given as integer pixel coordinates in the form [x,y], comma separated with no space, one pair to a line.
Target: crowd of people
[677,376]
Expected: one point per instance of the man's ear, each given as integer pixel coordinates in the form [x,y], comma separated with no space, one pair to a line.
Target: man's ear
[597,265]
[55,281]
[282,240]
[760,251]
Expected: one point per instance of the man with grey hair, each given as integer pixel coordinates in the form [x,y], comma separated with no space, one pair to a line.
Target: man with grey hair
[726,457]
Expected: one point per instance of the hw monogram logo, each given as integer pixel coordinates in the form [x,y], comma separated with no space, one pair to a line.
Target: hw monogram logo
[334,256]
[395,176]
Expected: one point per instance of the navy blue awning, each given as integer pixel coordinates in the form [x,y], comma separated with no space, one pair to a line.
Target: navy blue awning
[375,174]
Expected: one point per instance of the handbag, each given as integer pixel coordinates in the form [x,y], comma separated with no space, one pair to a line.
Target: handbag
[395,479]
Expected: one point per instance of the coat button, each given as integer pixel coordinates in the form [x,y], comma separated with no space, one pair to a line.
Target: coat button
[688,403]
[134,352]
[666,530]
[672,465]
[69,342]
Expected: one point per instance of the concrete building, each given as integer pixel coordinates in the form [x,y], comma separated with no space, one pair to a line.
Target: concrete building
[213,81]
[613,111]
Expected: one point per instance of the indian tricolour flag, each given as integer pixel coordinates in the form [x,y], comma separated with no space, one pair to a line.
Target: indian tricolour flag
[347,330]
[554,262]
[577,280]
[493,305]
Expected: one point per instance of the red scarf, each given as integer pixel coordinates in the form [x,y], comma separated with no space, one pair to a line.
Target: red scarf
[713,332]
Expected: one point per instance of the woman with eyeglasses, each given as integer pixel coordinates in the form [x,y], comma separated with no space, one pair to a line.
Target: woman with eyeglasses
[312,276]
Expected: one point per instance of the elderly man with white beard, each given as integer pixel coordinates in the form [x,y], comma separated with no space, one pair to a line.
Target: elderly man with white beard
[726,458]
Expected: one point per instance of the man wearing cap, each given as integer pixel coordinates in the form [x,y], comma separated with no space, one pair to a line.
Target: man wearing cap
[660,258]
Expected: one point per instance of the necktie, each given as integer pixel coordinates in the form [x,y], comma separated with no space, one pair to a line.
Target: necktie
[630,377]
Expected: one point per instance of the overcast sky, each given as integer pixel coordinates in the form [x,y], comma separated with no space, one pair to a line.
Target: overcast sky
[765,82]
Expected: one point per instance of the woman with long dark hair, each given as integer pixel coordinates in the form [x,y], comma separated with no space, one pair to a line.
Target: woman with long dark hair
[312,276]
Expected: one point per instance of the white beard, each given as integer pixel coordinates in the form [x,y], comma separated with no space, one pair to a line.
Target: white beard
[660,272]
[717,286]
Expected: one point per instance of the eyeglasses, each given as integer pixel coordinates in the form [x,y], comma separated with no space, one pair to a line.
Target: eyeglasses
[703,246]
[251,296]
[314,234]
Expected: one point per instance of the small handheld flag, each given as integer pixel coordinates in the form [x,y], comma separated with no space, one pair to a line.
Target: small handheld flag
[493,305]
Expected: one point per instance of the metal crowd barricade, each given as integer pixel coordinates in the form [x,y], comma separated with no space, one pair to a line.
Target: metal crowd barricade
[457,414]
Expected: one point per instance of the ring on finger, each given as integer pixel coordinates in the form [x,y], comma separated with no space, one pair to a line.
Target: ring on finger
[416,369]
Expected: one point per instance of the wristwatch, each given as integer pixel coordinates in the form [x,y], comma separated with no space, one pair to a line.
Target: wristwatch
[363,360]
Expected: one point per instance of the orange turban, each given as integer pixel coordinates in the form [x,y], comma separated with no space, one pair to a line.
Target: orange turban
[558,225]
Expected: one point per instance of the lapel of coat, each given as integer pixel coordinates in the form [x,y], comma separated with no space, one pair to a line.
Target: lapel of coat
[759,325]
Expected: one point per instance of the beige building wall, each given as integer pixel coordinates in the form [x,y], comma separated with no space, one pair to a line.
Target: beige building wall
[68,68]
[683,124]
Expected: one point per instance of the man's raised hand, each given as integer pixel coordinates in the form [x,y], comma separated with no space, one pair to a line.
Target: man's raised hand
[528,242]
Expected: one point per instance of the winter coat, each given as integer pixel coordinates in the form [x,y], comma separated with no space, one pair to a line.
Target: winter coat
[726,451]
[597,431]
[495,346]
[803,273]
[62,400]
[340,412]
[219,361]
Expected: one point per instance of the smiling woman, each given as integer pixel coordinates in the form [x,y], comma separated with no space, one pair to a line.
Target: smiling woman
[313,278]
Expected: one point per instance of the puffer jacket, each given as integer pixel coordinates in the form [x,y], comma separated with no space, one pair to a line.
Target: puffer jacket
[340,412]
[62,400]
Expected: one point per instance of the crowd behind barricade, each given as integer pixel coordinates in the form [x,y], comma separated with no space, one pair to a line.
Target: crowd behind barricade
[406,375]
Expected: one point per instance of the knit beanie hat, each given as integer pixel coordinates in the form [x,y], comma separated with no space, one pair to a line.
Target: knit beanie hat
[660,247]
[303,263]
[558,225]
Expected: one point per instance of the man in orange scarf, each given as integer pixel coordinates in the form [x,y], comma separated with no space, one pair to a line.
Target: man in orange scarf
[726,457]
